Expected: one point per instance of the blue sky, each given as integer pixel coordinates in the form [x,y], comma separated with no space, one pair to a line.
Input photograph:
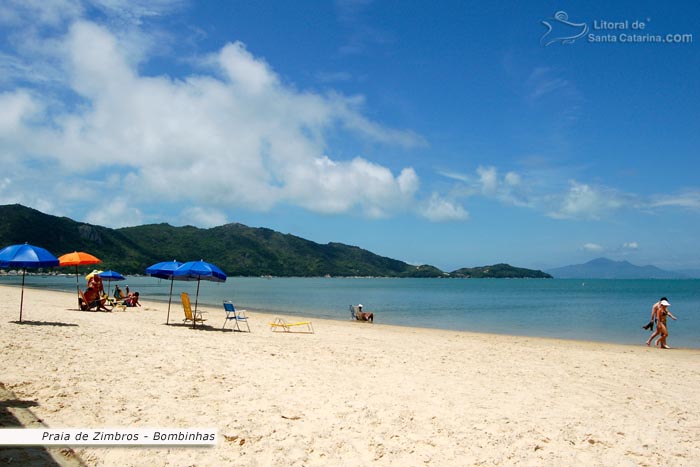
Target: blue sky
[454,133]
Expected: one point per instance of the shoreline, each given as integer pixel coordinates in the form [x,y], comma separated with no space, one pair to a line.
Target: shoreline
[176,311]
[352,393]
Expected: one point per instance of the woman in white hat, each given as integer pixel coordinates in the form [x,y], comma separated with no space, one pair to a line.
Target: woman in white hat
[661,315]
[653,320]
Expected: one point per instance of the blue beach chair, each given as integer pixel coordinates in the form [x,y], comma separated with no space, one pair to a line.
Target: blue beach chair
[237,316]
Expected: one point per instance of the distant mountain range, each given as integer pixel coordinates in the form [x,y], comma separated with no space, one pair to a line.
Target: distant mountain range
[603,268]
[237,249]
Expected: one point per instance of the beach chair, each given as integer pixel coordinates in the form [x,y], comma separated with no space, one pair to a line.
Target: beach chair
[237,316]
[114,303]
[190,317]
[281,325]
[353,312]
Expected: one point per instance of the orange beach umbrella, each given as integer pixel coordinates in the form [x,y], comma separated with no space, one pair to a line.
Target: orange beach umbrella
[77,258]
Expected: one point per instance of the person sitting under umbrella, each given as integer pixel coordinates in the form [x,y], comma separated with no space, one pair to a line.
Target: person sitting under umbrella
[132,299]
[96,283]
[93,300]
[118,293]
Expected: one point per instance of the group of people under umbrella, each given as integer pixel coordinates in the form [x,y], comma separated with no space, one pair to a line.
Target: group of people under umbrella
[24,256]
[95,295]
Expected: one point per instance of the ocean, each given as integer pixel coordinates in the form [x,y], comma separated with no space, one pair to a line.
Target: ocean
[593,310]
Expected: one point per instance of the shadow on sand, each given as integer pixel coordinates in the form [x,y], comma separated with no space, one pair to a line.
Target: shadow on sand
[15,413]
[203,327]
[43,323]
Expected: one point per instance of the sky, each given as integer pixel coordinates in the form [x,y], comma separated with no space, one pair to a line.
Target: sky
[453,133]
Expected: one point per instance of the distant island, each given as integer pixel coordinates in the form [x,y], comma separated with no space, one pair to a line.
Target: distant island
[604,268]
[500,271]
[237,249]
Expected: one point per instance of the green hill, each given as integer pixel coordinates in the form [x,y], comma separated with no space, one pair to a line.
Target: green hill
[237,249]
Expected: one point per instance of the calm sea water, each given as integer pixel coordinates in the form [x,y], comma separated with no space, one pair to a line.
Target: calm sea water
[597,310]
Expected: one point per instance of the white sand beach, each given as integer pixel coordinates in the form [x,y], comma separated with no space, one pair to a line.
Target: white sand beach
[352,394]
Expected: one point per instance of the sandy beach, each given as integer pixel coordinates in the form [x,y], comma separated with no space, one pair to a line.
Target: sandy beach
[352,394]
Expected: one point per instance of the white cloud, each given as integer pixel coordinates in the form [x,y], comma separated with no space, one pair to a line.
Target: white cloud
[583,201]
[488,180]
[39,12]
[118,214]
[543,82]
[253,75]
[439,209]
[489,183]
[503,188]
[687,199]
[630,246]
[541,190]
[243,139]
[593,247]
[54,13]
[17,107]
[203,217]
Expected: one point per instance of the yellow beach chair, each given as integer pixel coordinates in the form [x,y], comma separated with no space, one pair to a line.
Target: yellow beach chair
[281,325]
[114,303]
[190,317]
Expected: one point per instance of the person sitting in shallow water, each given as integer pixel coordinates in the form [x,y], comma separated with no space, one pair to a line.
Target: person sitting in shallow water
[364,316]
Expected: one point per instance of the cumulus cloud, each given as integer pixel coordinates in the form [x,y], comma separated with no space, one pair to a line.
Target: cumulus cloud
[238,137]
[542,191]
[202,217]
[489,182]
[17,108]
[583,201]
[439,209]
[119,214]
[503,187]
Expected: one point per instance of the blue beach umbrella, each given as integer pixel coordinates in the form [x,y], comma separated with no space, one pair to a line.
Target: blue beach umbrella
[26,256]
[165,270]
[198,271]
[111,276]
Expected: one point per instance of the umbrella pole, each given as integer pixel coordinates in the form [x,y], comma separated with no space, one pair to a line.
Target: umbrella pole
[77,286]
[21,299]
[196,300]
[170,299]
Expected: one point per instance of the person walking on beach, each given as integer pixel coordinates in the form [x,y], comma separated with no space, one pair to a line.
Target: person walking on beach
[662,312]
[652,320]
